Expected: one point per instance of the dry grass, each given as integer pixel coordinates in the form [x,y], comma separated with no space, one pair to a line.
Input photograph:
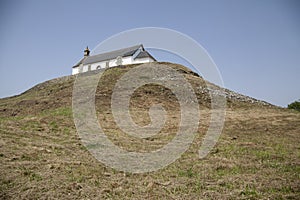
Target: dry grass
[41,156]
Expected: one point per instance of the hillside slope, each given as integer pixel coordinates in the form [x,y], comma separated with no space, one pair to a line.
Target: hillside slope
[41,155]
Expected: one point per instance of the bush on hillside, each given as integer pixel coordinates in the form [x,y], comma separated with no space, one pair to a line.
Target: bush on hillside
[295,105]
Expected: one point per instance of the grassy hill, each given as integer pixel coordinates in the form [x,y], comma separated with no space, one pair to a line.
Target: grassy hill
[41,155]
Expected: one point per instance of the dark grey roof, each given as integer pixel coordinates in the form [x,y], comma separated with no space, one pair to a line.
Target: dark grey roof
[112,55]
[145,54]
[79,62]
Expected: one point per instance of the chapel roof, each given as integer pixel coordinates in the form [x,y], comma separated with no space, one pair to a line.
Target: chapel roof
[129,51]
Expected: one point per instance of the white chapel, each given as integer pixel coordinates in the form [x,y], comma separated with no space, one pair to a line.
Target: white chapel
[130,55]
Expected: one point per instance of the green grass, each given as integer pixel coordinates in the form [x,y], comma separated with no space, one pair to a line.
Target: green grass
[187,173]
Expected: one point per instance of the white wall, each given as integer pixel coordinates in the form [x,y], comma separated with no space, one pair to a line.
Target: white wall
[142,60]
[75,70]
[112,63]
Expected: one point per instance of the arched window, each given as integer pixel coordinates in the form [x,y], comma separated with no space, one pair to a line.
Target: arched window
[98,67]
[119,60]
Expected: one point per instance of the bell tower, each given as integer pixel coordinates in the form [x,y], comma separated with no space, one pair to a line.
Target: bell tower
[86,52]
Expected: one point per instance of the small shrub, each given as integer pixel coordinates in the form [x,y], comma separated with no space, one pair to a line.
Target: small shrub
[295,105]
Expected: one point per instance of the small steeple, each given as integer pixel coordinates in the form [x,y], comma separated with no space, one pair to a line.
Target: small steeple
[86,52]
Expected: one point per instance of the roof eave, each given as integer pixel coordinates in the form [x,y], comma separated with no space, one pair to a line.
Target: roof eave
[148,56]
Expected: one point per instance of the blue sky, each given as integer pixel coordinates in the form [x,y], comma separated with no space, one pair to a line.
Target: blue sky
[255,44]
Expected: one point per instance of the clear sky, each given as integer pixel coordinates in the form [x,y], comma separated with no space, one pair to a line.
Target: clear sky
[255,44]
